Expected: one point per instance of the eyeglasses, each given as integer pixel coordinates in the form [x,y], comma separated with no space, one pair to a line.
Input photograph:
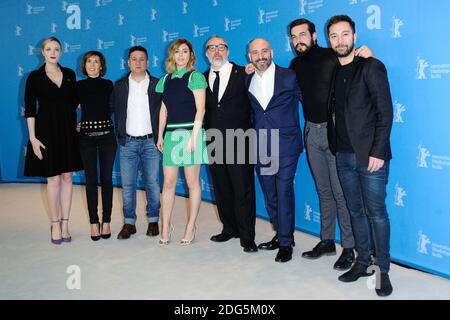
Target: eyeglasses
[213,47]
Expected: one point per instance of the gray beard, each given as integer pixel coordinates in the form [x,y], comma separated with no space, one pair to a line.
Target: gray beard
[216,64]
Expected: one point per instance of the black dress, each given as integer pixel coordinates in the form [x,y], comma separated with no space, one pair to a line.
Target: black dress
[54,110]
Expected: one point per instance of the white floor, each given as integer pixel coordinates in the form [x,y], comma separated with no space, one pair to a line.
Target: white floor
[138,268]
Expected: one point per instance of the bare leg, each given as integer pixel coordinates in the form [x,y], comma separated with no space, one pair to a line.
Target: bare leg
[66,202]
[53,196]
[192,174]
[168,198]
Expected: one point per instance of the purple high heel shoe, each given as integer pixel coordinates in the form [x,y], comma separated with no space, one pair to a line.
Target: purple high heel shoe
[69,238]
[55,241]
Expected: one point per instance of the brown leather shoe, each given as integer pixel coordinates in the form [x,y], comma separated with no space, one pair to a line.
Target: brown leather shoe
[153,229]
[127,231]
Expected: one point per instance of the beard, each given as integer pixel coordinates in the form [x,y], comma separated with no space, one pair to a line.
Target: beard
[217,63]
[303,48]
[262,67]
[345,53]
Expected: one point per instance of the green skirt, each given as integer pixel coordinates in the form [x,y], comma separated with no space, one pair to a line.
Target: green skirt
[174,148]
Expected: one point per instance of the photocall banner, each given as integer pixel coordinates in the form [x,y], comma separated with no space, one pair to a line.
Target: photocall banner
[409,36]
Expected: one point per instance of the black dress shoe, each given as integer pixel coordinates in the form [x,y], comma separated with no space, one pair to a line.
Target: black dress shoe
[249,246]
[127,231]
[324,247]
[357,271]
[222,237]
[271,245]
[284,254]
[385,286]
[346,259]
[153,229]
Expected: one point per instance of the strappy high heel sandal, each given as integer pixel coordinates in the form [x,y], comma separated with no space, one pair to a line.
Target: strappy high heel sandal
[185,242]
[163,242]
[69,238]
[55,241]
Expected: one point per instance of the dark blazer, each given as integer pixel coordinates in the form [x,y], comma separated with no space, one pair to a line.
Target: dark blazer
[368,111]
[233,111]
[119,105]
[281,113]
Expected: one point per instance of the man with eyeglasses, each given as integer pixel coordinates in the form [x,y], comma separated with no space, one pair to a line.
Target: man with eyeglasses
[228,108]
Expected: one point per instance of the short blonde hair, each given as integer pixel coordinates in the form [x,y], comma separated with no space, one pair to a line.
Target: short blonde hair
[170,61]
[50,39]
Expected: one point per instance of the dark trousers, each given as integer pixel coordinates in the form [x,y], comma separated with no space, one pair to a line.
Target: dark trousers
[279,199]
[102,148]
[365,193]
[234,190]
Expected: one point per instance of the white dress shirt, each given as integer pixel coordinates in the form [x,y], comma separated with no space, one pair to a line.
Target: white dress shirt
[138,111]
[262,86]
[224,74]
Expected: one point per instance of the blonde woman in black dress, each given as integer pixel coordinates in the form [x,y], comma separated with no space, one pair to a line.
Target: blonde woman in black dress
[52,151]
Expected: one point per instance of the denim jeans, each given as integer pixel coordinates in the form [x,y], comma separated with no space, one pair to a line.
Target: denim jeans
[365,193]
[140,153]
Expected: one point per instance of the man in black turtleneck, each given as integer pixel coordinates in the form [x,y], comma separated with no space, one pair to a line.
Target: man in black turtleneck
[315,67]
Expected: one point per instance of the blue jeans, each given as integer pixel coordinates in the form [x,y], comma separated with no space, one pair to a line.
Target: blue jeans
[143,153]
[365,193]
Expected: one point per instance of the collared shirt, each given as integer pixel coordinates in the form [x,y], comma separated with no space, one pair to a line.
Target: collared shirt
[138,111]
[262,86]
[196,80]
[224,74]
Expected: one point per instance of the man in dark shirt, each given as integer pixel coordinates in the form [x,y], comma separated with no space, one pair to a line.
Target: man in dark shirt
[315,67]
[359,137]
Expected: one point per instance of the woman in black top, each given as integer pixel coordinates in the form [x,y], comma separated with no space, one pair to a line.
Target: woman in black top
[97,139]
[52,149]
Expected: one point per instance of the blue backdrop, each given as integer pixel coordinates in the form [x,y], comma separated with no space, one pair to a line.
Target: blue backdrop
[409,36]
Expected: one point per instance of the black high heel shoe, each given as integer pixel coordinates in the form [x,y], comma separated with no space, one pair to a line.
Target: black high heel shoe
[96,238]
[105,236]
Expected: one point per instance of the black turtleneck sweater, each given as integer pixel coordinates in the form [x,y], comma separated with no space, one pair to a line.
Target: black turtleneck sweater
[93,95]
[315,70]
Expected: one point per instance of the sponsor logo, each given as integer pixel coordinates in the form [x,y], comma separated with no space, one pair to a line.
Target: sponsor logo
[435,71]
[153,14]
[396,24]
[266,17]
[399,109]
[104,45]
[34,10]
[200,31]
[232,24]
[102,3]
[169,36]
[67,47]
[19,71]
[398,195]
[120,20]
[18,31]
[137,41]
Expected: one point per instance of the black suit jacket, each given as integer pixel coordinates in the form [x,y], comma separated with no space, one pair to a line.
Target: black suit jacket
[233,111]
[119,105]
[368,111]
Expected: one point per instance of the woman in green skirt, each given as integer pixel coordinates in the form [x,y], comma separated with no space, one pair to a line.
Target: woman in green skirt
[181,137]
